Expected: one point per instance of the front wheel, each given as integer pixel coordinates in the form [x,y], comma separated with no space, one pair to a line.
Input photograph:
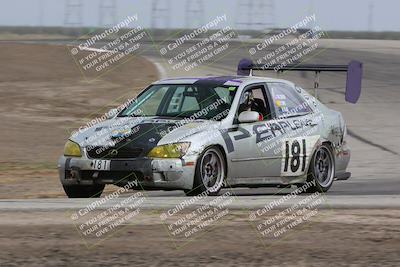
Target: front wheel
[84,191]
[210,173]
[322,170]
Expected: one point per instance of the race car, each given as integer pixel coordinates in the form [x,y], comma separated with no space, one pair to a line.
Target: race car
[202,134]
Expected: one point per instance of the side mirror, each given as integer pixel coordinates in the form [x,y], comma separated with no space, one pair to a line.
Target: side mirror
[111,113]
[248,116]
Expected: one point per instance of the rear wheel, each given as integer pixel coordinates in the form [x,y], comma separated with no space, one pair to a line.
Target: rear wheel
[210,173]
[322,170]
[84,191]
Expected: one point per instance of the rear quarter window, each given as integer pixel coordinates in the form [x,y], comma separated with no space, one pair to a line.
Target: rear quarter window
[287,101]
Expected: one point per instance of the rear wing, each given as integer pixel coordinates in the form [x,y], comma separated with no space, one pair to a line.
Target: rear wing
[353,82]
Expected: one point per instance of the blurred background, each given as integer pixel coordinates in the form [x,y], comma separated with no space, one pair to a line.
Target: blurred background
[45,94]
[369,18]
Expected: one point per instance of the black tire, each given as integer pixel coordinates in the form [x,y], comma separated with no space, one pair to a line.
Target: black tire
[322,170]
[84,191]
[203,171]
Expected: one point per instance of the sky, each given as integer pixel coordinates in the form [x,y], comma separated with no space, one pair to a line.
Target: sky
[348,15]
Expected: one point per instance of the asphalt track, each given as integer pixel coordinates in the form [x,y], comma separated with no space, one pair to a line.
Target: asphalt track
[240,200]
[373,125]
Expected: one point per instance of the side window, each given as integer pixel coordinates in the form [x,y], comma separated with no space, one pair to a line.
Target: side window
[309,99]
[286,100]
[253,99]
[224,94]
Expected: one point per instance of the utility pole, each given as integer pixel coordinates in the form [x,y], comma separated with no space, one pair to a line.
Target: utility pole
[371,16]
[311,11]
[194,13]
[73,13]
[255,14]
[41,12]
[160,11]
[41,6]
[107,13]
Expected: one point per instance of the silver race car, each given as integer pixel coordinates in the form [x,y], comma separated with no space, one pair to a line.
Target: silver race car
[202,134]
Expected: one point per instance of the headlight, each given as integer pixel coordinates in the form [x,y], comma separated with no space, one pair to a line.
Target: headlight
[72,149]
[176,150]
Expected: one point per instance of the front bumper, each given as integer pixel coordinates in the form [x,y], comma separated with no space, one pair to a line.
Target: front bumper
[167,174]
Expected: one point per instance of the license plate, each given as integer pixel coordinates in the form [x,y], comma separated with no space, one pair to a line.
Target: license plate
[100,165]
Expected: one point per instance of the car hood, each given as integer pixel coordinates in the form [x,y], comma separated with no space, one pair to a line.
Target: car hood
[139,132]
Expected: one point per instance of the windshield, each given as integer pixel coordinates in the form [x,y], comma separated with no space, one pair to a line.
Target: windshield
[183,101]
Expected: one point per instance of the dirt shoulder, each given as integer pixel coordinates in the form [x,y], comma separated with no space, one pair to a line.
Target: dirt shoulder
[43,98]
[333,238]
